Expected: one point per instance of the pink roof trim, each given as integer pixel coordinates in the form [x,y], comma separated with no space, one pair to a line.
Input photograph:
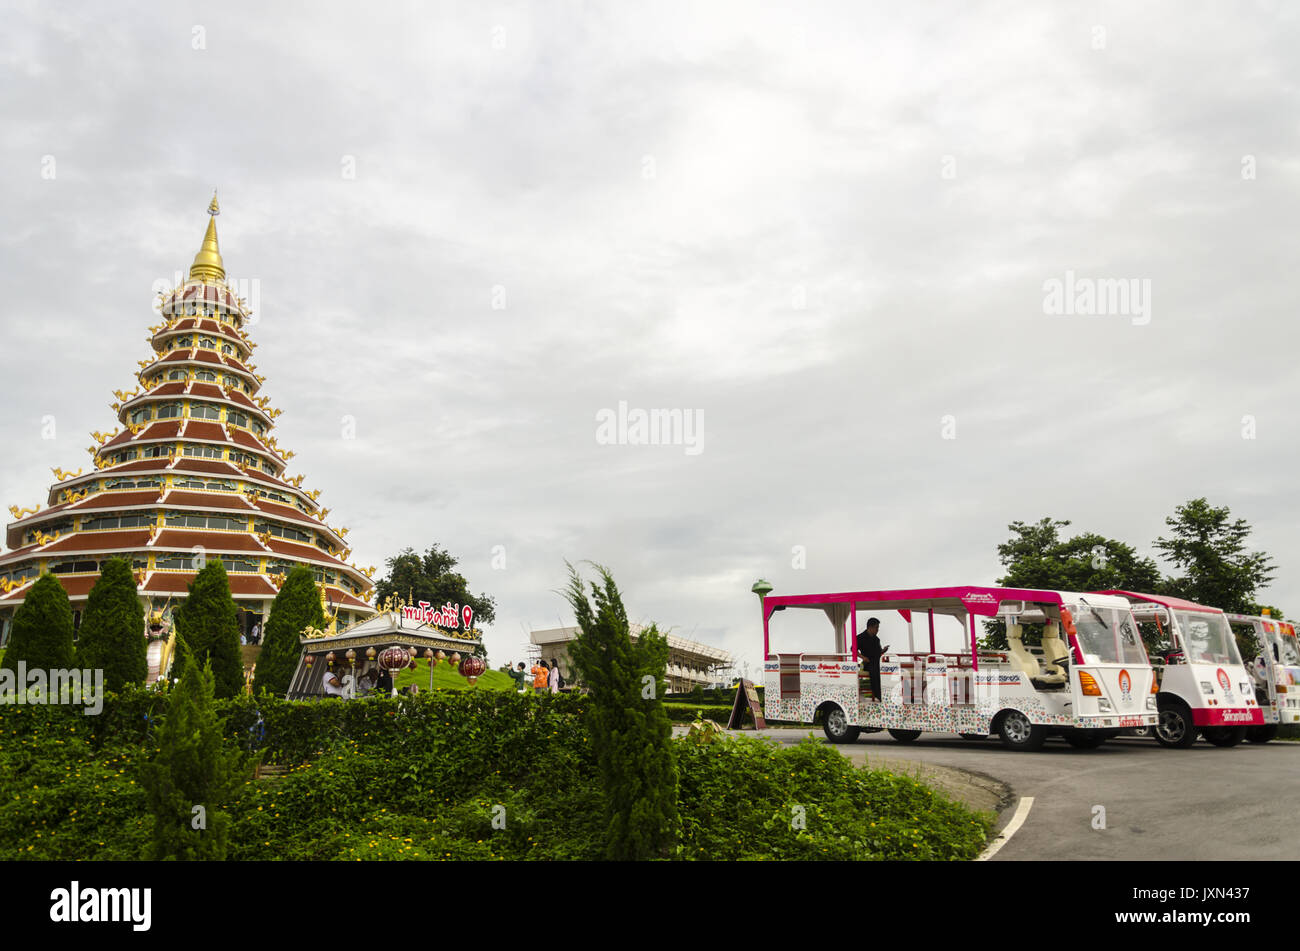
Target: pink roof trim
[1176,604]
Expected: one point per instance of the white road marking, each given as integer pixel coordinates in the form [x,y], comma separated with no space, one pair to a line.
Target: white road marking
[1009,830]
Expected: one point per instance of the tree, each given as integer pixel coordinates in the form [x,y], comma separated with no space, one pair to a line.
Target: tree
[207,622]
[1210,552]
[192,775]
[112,628]
[630,730]
[42,629]
[1037,557]
[430,577]
[296,608]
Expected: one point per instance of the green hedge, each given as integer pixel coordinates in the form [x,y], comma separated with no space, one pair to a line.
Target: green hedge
[424,778]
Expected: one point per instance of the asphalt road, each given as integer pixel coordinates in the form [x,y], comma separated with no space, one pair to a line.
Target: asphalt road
[1195,804]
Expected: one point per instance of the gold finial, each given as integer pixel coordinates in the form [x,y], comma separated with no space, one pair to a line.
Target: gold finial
[207,263]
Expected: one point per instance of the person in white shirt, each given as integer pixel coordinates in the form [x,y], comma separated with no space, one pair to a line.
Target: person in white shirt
[333,684]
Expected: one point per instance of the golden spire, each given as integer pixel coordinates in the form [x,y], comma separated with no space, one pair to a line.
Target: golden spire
[207,263]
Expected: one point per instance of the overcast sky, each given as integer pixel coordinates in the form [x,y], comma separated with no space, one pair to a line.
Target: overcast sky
[826,235]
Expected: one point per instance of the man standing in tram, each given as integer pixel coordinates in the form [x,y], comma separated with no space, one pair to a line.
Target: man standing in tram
[871,651]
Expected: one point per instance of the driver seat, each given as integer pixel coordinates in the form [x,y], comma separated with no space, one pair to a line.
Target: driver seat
[1021,657]
[1053,649]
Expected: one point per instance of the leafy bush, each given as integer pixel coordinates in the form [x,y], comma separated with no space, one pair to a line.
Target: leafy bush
[425,777]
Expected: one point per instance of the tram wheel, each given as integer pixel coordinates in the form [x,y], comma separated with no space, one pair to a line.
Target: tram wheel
[1175,729]
[1261,734]
[837,727]
[1018,733]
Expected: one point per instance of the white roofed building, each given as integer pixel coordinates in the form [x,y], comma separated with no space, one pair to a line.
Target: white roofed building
[690,663]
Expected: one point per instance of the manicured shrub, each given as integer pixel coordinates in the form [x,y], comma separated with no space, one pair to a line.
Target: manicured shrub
[111,637]
[42,629]
[207,623]
[630,730]
[194,772]
[295,608]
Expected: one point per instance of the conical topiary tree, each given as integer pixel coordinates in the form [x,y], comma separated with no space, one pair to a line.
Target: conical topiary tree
[295,608]
[207,622]
[42,629]
[192,775]
[630,729]
[111,637]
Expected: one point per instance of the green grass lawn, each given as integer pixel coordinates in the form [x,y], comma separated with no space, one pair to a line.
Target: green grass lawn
[446,677]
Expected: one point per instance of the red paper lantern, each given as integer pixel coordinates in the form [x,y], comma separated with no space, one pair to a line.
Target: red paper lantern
[454,660]
[351,655]
[329,658]
[394,658]
[471,667]
[370,653]
[308,660]
[439,657]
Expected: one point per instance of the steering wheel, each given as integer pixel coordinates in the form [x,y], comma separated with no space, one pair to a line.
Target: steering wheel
[1062,662]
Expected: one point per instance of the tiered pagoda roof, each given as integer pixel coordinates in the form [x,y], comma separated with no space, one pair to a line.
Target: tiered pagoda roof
[192,471]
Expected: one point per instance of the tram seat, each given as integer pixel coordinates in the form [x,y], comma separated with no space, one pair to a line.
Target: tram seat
[1053,649]
[1020,657]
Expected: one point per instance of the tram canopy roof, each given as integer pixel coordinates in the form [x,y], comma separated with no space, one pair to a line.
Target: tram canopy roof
[1175,604]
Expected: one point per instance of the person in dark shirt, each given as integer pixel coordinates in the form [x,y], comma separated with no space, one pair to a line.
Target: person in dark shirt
[384,685]
[871,651]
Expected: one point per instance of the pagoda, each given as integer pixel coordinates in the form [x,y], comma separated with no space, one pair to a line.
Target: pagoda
[192,472]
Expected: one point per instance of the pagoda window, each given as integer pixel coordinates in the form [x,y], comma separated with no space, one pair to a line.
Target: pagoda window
[157,452]
[259,428]
[231,381]
[243,566]
[71,567]
[227,349]
[142,415]
[132,483]
[21,574]
[218,486]
[140,563]
[204,411]
[117,520]
[169,410]
[239,419]
[282,531]
[175,561]
[191,308]
[207,376]
[186,340]
[207,343]
[176,375]
[126,455]
[205,452]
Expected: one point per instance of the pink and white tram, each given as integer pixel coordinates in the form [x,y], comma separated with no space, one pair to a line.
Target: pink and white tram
[1088,677]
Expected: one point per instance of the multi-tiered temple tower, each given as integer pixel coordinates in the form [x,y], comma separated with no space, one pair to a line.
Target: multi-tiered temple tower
[192,473]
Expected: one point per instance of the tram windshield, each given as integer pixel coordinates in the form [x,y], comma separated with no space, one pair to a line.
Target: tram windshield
[1108,635]
[1208,638]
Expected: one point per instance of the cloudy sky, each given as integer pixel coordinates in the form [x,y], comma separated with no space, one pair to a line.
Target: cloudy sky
[828,236]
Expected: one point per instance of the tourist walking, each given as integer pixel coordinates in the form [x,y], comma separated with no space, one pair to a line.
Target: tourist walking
[553,679]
